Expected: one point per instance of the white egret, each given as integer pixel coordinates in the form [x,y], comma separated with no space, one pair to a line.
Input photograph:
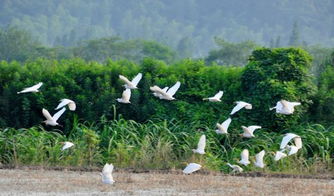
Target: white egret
[163,94]
[259,159]
[67,145]
[158,94]
[279,155]
[52,120]
[288,137]
[64,102]
[222,128]
[292,149]
[133,83]
[249,131]
[191,167]
[215,98]
[236,168]
[31,89]
[240,105]
[285,107]
[200,145]
[106,174]
[125,96]
[244,157]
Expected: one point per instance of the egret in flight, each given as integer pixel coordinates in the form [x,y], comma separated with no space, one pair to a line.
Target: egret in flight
[249,131]
[64,102]
[107,174]
[163,94]
[244,157]
[240,105]
[222,128]
[215,98]
[125,96]
[133,83]
[52,120]
[285,107]
[32,89]
[259,159]
[191,167]
[67,145]
[200,145]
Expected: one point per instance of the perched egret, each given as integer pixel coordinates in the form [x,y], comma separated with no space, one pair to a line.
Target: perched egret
[52,120]
[133,83]
[222,128]
[163,94]
[106,174]
[244,157]
[248,131]
[236,168]
[67,145]
[279,155]
[191,167]
[64,102]
[125,96]
[200,145]
[285,107]
[259,159]
[240,105]
[31,89]
[215,98]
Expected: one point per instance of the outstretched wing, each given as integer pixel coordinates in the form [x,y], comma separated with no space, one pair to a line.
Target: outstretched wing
[124,79]
[201,143]
[245,154]
[191,167]
[63,102]
[46,114]
[219,95]
[126,94]
[298,142]
[58,114]
[174,88]
[136,79]
[239,106]
[259,156]
[286,139]
[251,129]
[37,86]
[226,124]
[107,169]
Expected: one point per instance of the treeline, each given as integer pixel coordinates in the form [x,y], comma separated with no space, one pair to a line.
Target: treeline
[271,75]
[267,22]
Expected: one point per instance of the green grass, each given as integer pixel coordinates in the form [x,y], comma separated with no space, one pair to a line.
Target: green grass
[162,145]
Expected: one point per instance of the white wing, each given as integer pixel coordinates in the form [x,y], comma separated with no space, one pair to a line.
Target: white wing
[125,79]
[239,106]
[58,114]
[218,95]
[32,88]
[279,155]
[157,89]
[251,129]
[46,114]
[107,169]
[286,139]
[174,88]
[126,94]
[226,123]
[64,102]
[201,143]
[165,89]
[245,155]
[191,167]
[298,142]
[37,86]
[67,145]
[259,157]
[136,79]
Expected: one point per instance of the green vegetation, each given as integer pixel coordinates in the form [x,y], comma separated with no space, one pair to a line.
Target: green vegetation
[157,134]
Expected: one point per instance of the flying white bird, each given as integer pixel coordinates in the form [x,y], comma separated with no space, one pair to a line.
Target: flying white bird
[31,89]
[288,137]
[259,159]
[191,167]
[52,120]
[125,96]
[67,145]
[240,105]
[222,128]
[106,174]
[166,94]
[236,168]
[133,83]
[248,131]
[160,95]
[64,102]
[215,98]
[200,145]
[292,149]
[244,157]
[285,107]
[279,155]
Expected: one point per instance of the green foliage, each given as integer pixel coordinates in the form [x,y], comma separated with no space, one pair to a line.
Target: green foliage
[231,53]
[272,75]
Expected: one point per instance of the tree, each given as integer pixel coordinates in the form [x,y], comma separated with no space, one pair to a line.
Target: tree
[295,35]
[185,48]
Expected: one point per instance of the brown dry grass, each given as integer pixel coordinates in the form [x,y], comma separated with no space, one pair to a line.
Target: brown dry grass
[46,182]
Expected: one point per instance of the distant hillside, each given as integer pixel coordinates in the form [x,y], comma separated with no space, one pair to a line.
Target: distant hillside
[187,23]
